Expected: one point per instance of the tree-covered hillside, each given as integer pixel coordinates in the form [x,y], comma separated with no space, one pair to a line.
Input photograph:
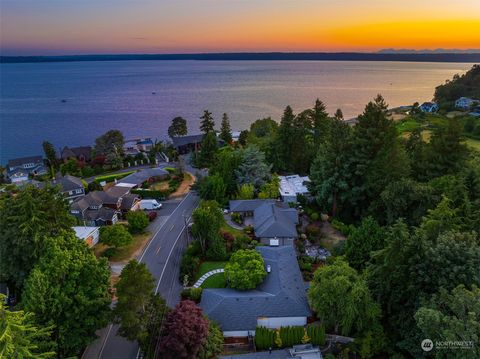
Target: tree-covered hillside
[467,85]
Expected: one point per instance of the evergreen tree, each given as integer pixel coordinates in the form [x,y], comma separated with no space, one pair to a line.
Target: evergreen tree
[178,127]
[284,141]
[225,130]
[321,123]
[303,148]
[447,154]
[19,337]
[207,124]
[26,219]
[228,161]
[330,172]
[206,157]
[253,169]
[50,153]
[377,157]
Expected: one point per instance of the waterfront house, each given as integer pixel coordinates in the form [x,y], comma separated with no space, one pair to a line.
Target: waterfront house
[145,145]
[186,144]
[138,178]
[279,301]
[81,154]
[90,235]
[274,222]
[19,169]
[429,107]
[465,103]
[292,186]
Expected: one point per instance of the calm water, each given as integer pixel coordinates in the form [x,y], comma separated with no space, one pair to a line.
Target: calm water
[105,95]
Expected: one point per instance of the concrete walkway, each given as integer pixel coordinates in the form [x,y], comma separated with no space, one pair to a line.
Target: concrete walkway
[231,223]
[202,279]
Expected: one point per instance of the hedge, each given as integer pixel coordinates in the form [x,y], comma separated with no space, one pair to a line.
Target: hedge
[112,177]
[290,336]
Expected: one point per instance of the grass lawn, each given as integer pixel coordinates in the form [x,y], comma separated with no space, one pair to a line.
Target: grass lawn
[235,232]
[472,143]
[407,126]
[124,254]
[215,281]
[208,266]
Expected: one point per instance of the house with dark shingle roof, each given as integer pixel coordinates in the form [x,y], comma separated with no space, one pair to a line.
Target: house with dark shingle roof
[70,186]
[274,222]
[281,300]
[97,208]
[81,154]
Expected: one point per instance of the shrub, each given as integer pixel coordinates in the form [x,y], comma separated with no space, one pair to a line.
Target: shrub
[137,221]
[316,334]
[264,338]
[152,215]
[345,229]
[313,231]
[241,242]
[115,235]
[237,218]
[228,238]
[314,216]
[194,294]
[109,252]
[87,171]
[245,270]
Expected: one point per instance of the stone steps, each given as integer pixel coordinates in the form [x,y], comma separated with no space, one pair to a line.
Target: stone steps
[202,279]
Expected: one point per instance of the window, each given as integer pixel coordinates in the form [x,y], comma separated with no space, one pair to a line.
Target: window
[78,191]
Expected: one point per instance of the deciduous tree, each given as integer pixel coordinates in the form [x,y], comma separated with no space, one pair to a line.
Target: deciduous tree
[185,332]
[253,169]
[245,269]
[69,288]
[207,220]
[178,127]
[116,235]
[137,221]
[139,311]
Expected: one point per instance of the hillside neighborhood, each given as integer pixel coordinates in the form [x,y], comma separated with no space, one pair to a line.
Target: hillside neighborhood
[305,238]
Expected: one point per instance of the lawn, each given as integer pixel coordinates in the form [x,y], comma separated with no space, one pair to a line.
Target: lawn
[235,232]
[215,281]
[208,266]
[124,254]
[407,126]
[472,143]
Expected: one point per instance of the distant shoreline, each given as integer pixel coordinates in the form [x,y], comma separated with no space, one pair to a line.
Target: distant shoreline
[270,56]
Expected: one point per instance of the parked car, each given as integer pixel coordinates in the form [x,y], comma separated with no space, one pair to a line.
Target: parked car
[150,204]
[152,215]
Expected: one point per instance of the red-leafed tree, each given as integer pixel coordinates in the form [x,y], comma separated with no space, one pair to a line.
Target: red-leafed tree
[184,333]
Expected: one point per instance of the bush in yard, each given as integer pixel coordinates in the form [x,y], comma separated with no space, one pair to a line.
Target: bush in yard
[245,270]
[264,338]
[214,344]
[237,218]
[116,236]
[316,334]
[190,262]
[152,215]
[313,231]
[217,250]
[314,216]
[109,252]
[228,238]
[241,242]
[137,221]
[194,294]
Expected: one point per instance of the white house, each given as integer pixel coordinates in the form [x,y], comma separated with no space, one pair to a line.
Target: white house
[466,103]
[90,235]
[292,186]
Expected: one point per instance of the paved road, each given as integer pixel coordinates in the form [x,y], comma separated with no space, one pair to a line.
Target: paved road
[162,257]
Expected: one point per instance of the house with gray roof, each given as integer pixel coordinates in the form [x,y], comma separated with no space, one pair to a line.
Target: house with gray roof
[81,154]
[97,208]
[281,300]
[274,222]
[70,186]
[19,169]
[136,179]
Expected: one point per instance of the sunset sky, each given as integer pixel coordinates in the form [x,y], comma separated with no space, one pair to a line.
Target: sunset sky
[45,27]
